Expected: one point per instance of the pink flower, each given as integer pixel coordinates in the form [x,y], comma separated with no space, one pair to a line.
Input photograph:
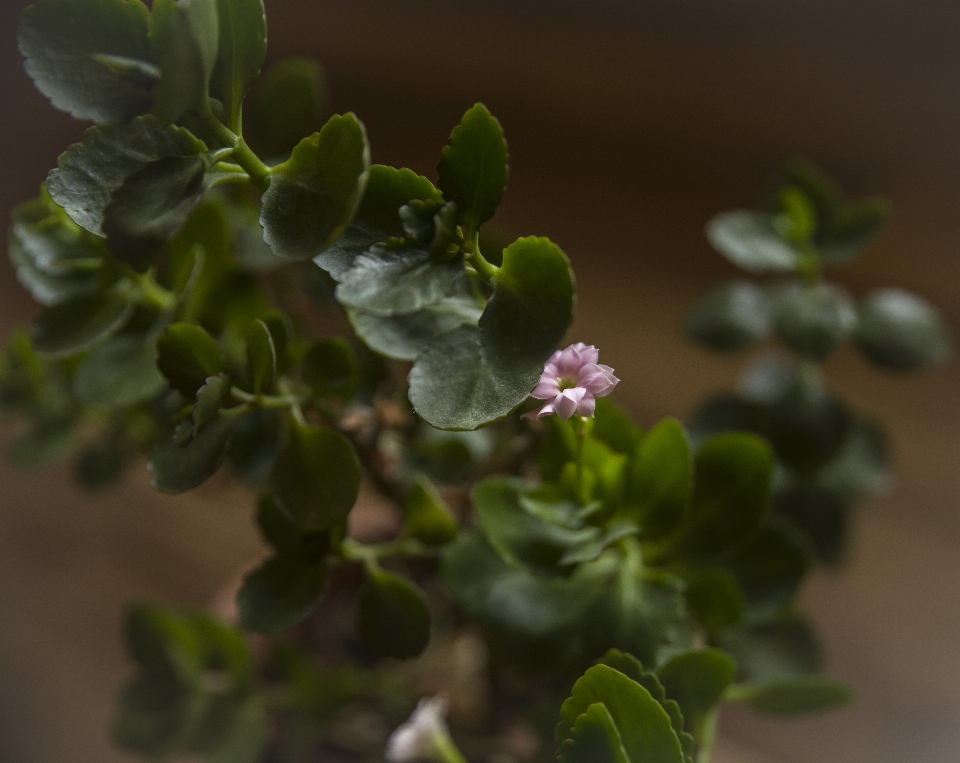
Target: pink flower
[571,381]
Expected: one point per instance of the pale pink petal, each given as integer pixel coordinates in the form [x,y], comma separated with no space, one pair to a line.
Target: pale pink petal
[587,406]
[566,404]
[597,379]
[568,364]
[545,411]
[547,389]
[588,353]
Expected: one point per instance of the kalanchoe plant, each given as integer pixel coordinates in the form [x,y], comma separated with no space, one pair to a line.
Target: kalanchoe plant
[187,249]
[829,456]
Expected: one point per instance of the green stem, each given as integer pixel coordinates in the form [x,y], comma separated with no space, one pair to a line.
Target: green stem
[581,428]
[353,551]
[485,269]
[265,401]
[152,293]
[446,749]
[242,154]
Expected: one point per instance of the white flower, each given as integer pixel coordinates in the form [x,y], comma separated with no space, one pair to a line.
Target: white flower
[422,736]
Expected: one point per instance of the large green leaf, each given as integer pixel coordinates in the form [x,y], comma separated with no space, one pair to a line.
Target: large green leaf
[792,696]
[89,172]
[731,491]
[377,218]
[91,58]
[316,479]
[187,355]
[242,28]
[730,317]
[466,378]
[594,738]
[473,167]
[281,592]
[813,320]
[661,480]
[900,331]
[697,681]
[645,729]
[175,468]
[392,280]
[312,196]
[185,36]
[749,240]
[287,105]
[77,324]
[769,567]
[393,618]
[120,372]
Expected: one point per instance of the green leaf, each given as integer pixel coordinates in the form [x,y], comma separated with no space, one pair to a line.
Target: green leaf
[242,28]
[473,167]
[403,337]
[316,479]
[765,652]
[185,37]
[377,219]
[393,618]
[175,468]
[89,172]
[594,738]
[714,597]
[287,105]
[614,427]
[812,321]
[793,696]
[313,195]
[819,516]
[210,398]
[644,727]
[261,357]
[808,426]
[900,331]
[331,368]
[730,317]
[77,324]
[770,567]
[427,516]
[697,681]
[187,355]
[257,439]
[398,279]
[119,373]
[281,592]
[731,491]
[150,206]
[521,538]
[749,240]
[661,481]
[91,58]
[853,230]
[276,527]
[465,379]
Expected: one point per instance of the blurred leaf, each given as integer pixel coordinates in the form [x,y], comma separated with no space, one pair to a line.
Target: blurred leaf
[316,478]
[174,468]
[473,168]
[748,240]
[287,105]
[614,427]
[808,426]
[261,357]
[187,355]
[313,195]
[257,440]
[714,597]
[900,331]
[697,681]
[101,463]
[427,516]
[821,515]
[77,324]
[242,44]
[812,321]
[661,481]
[854,228]
[281,592]
[393,618]
[769,567]
[330,368]
[730,317]
[766,652]
[119,373]
[792,696]
[91,58]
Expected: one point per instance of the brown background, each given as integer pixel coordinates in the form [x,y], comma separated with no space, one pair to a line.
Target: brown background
[629,125]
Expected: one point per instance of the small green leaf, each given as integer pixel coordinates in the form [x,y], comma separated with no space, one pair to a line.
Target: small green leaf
[313,195]
[175,468]
[393,618]
[473,167]
[766,652]
[465,379]
[77,324]
[714,597]
[316,479]
[91,58]
[331,368]
[807,426]
[697,681]
[900,331]
[427,516]
[812,321]
[793,696]
[210,398]
[89,172]
[730,317]
[661,481]
[119,373]
[749,240]
[732,474]
[853,230]
[185,37]
[276,527]
[242,29]
[261,357]
[287,105]
[281,592]
[398,279]
[594,738]
[187,355]
[257,440]
[614,427]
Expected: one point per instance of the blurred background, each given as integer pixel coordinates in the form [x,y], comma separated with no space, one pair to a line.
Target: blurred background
[630,123]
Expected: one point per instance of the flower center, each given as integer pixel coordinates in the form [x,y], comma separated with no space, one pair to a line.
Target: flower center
[566,382]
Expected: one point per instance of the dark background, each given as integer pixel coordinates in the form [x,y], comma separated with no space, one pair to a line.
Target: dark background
[630,124]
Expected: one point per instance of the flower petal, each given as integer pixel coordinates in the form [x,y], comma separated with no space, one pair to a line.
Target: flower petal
[588,406]
[566,403]
[597,379]
[588,353]
[569,363]
[547,389]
